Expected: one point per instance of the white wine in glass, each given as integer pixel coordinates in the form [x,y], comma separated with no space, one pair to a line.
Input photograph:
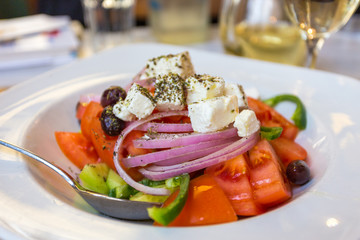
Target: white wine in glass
[260,29]
[318,19]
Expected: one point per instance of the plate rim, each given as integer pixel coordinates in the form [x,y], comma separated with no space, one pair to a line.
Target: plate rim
[23,86]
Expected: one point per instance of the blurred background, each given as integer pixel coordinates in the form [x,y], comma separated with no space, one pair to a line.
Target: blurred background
[73,8]
[66,30]
[71,29]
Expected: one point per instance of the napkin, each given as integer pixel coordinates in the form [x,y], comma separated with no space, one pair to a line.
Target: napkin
[36,40]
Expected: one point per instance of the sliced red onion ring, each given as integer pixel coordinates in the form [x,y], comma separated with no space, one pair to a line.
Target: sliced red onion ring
[239,147]
[231,148]
[125,132]
[191,155]
[143,160]
[166,127]
[174,140]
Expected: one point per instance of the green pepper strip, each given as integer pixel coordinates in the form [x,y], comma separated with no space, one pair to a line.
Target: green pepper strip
[167,214]
[299,116]
[270,133]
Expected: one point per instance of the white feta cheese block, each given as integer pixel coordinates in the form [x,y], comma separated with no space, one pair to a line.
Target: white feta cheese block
[139,101]
[246,123]
[203,87]
[179,64]
[238,91]
[213,114]
[170,93]
[121,111]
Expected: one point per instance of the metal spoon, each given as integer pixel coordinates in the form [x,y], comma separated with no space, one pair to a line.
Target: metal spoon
[114,207]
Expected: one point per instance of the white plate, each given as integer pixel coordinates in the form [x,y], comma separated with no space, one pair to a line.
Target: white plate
[34,205]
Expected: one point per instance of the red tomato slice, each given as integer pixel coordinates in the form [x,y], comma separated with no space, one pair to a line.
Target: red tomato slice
[267,175]
[269,117]
[104,146]
[206,204]
[78,149]
[288,150]
[103,143]
[93,110]
[233,177]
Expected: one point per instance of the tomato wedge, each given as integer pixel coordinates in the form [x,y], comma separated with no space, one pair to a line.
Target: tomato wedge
[206,204]
[92,110]
[104,146]
[103,143]
[78,149]
[267,175]
[269,117]
[288,150]
[233,177]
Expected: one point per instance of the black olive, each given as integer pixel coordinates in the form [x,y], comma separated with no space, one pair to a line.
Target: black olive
[112,95]
[110,124]
[298,172]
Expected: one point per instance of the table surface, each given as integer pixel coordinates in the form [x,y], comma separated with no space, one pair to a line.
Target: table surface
[340,53]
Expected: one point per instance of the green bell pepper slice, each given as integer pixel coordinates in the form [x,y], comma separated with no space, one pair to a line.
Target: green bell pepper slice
[299,115]
[166,215]
[270,133]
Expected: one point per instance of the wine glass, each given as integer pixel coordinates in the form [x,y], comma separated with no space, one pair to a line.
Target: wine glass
[261,29]
[317,19]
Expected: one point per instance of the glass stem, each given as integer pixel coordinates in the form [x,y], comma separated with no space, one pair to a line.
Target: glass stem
[314,45]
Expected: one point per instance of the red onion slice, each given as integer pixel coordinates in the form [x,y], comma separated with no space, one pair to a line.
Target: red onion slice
[166,127]
[174,140]
[231,148]
[239,147]
[125,132]
[143,160]
[191,155]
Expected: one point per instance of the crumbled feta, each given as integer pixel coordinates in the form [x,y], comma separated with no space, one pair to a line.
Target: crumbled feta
[203,87]
[139,101]
[179,64]
[213,114]
[246,123]
[170,93]
[238,91]
[121,111]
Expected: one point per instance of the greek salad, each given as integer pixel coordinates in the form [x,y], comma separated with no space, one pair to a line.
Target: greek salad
[193,142]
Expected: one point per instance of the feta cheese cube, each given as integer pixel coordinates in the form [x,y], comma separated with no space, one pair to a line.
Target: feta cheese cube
[179,64]
[246,123]
[202,87]
[139,101]
[121,111]
[238,91]
[170,93]
[213,114]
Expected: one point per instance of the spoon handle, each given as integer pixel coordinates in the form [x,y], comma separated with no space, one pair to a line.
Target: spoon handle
[56,169]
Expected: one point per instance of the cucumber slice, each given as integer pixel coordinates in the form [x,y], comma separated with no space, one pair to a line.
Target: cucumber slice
[93,177]
[148,198]
[139,196]
[123,192]
[114,180]
[118,187]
